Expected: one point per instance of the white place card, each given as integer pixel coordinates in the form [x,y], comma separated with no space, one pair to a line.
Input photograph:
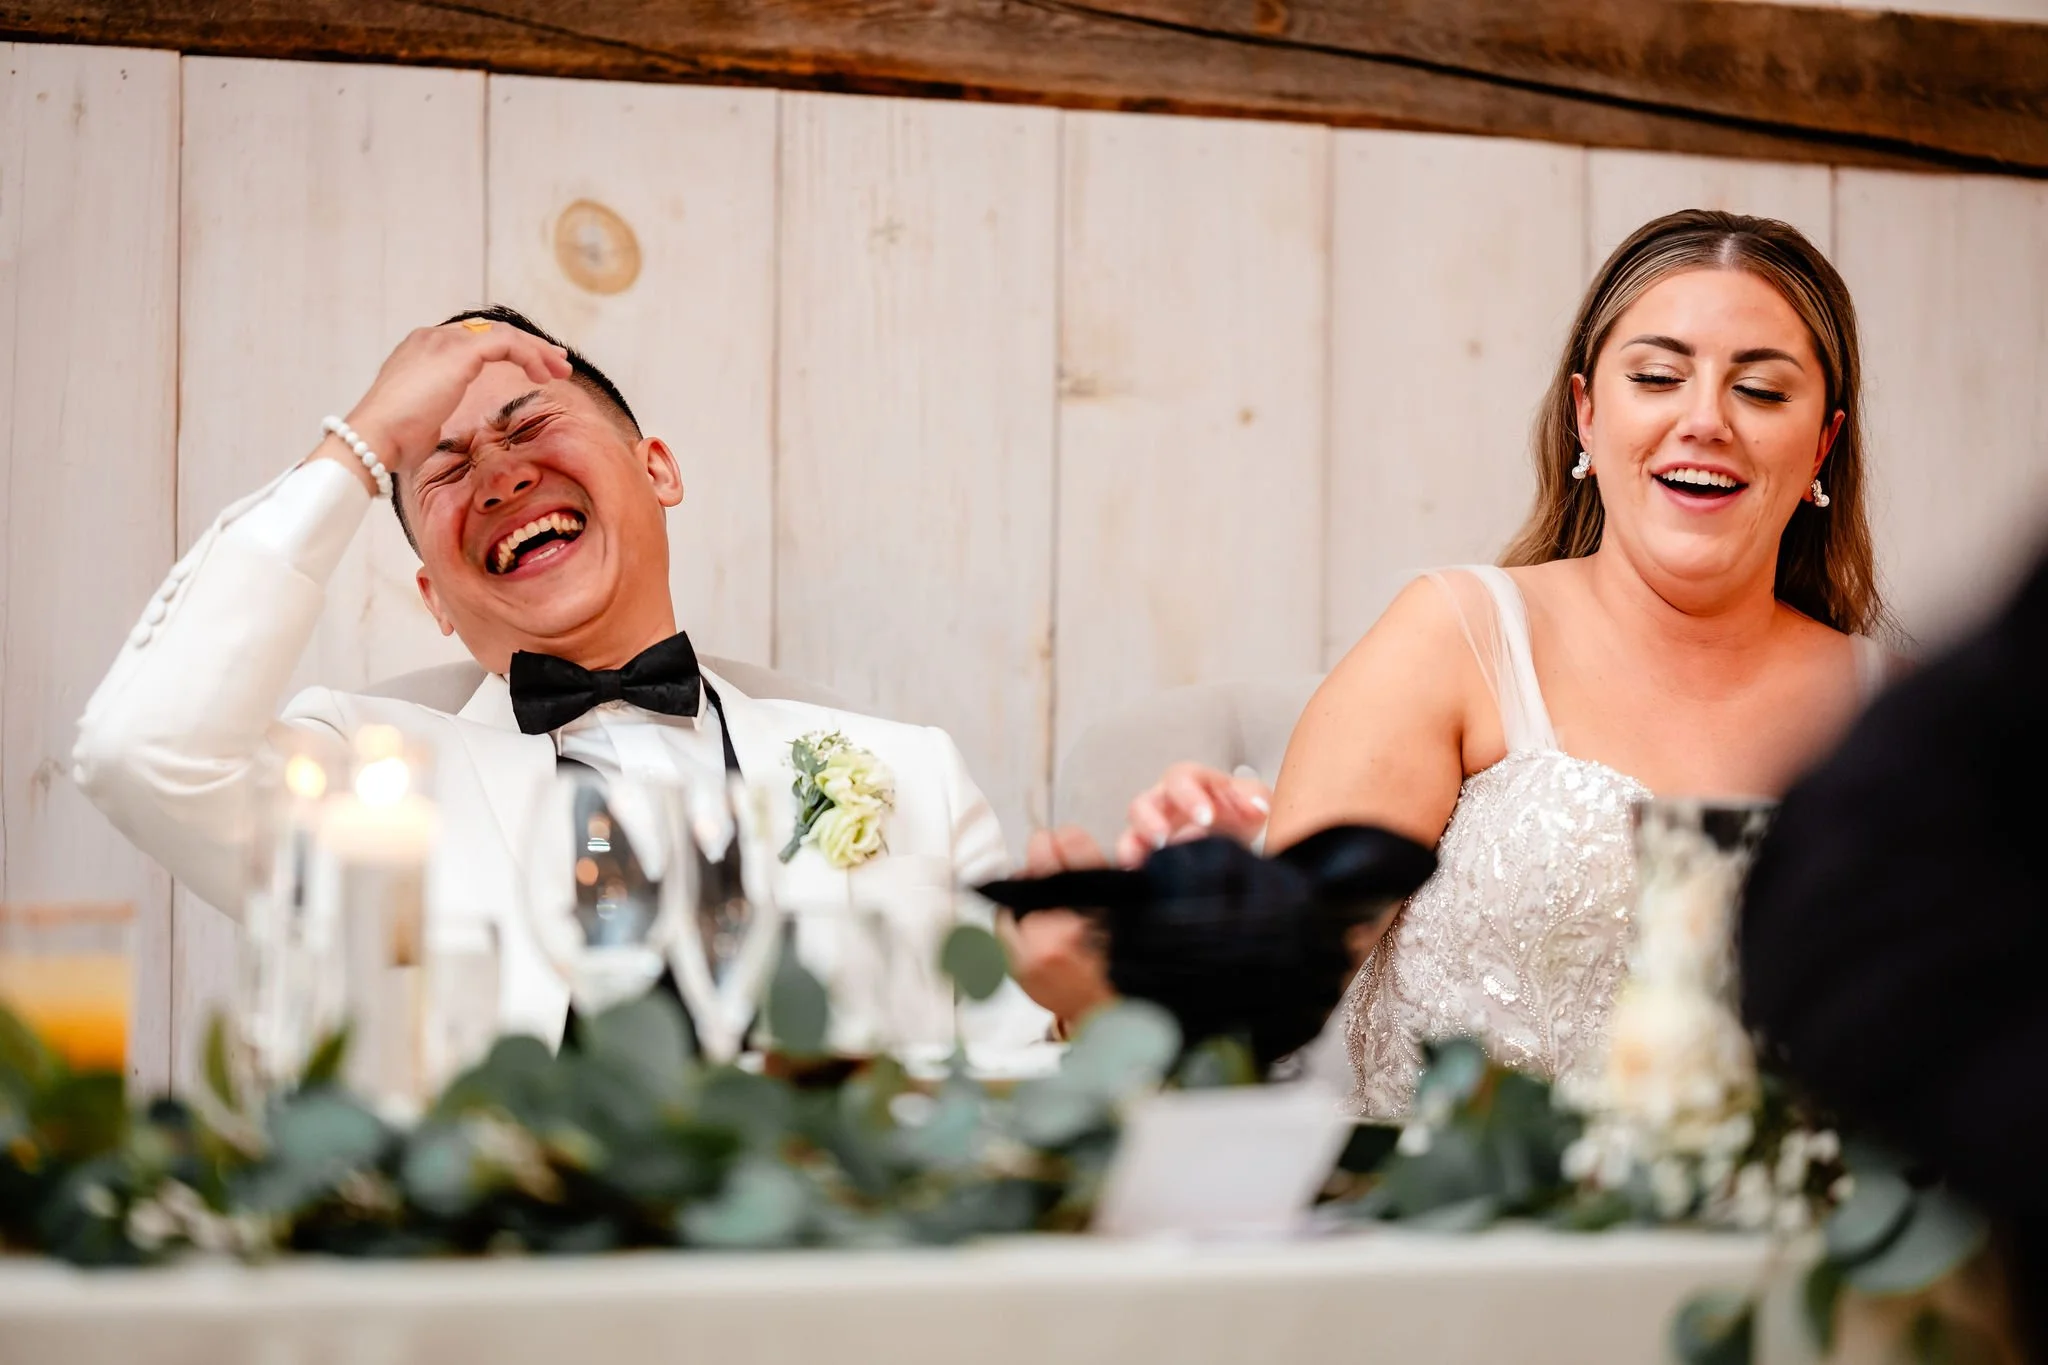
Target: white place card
[1246,1160]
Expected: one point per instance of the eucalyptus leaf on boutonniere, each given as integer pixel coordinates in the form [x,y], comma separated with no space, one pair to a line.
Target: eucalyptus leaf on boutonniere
[842,792]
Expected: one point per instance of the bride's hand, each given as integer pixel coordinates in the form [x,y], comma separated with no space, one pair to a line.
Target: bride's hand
[1193,802]
[1058,956]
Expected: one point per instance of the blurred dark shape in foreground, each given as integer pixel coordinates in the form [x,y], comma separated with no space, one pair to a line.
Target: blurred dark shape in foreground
[1895,928]
[1235,944]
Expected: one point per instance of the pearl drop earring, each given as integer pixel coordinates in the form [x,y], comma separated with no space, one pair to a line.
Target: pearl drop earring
[1585,467]
[1820,499]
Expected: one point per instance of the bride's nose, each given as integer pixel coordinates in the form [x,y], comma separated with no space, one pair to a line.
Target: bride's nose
[1706,419]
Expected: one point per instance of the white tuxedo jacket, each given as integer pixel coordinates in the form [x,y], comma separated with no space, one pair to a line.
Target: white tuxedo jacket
[168,744]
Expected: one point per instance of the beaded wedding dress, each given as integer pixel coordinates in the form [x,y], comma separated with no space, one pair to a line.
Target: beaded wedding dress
[1521,938]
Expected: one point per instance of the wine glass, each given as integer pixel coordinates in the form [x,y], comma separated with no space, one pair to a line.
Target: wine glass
[725,911]
[604,861]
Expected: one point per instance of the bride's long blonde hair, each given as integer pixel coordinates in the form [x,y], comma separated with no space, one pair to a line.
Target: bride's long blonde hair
[1826,565]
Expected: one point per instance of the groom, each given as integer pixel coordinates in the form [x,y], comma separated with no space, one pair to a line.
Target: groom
[537,507]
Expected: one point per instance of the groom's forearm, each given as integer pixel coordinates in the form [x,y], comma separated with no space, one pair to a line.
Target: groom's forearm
[167,745]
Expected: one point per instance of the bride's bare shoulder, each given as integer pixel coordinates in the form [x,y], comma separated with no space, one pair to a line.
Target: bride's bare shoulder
[1420,648]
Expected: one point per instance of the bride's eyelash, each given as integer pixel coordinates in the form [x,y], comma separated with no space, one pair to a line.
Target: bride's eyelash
[1763,395]
[1656,380]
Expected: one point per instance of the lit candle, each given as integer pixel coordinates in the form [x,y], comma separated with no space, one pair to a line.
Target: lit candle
[377,835]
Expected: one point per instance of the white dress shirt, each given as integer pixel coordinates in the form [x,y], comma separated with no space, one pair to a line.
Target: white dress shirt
[619,739]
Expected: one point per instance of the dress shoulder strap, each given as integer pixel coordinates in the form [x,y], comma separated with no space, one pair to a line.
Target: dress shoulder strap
[1496,624]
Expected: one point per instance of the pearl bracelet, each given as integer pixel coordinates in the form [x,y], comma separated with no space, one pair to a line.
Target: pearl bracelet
[363,452]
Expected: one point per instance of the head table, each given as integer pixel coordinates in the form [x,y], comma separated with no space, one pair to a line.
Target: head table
[1513,1295]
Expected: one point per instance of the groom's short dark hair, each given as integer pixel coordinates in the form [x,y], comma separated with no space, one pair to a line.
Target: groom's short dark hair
[581,371]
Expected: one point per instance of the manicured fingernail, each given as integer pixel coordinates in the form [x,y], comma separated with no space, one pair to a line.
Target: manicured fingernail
[1264,806]
[1205,816]
[1158,841]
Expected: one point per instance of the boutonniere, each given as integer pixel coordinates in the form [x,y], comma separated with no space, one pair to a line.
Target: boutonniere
[842,793]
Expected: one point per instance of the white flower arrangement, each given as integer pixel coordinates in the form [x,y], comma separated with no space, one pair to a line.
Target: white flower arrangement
[842,794]
[1675,1108]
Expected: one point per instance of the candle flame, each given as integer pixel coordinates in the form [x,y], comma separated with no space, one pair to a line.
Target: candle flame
[305,778]
[383,783]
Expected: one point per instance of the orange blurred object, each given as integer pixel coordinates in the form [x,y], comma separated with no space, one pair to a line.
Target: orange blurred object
[65,970]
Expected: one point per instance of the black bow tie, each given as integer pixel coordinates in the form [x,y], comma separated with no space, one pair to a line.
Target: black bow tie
[548,693]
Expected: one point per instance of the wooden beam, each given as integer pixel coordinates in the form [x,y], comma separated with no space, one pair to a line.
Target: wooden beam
[1708,76]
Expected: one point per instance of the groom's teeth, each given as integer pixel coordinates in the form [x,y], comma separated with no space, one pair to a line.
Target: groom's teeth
[566,524]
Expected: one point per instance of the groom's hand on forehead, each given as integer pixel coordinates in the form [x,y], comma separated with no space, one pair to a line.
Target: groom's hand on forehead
[422,382]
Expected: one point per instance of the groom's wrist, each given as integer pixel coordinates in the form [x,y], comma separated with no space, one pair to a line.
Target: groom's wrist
[333,448]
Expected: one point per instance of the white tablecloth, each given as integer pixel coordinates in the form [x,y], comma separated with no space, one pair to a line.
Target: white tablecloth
[1514,1296]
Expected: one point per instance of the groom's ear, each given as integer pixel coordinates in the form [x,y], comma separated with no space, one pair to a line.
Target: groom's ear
[663,470]
[428,596]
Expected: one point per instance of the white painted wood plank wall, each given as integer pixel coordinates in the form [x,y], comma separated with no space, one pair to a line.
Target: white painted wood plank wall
[1950,277]
[997,418]
[914,499]
[1436,359]
[88,425]
[1194,339]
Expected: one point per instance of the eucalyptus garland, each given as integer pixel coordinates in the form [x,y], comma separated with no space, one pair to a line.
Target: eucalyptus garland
[626,1139]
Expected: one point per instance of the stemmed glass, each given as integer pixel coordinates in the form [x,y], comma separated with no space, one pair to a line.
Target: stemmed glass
[626,880]
[598,852]
[728,916]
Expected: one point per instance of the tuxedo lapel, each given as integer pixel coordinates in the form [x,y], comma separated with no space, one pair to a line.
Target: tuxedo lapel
[761,733]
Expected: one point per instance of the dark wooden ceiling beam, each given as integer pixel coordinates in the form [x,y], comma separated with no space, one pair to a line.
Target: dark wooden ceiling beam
[1709,76]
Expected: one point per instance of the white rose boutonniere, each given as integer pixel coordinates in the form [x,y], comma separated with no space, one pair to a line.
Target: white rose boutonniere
[842,793]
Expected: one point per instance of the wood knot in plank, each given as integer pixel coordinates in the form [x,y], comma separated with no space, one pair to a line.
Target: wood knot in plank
[596,248]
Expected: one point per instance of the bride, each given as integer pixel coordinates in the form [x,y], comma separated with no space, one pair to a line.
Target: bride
[1688,610]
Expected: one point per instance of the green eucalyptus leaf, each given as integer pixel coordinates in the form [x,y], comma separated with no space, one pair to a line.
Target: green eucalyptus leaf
[316,1139]
[647,1039]
[324,1066]
[975,960]
[861,1229]
[1123,1049]
[1454,1170]
[1819,1300]
[26,1063]
[946,1139]
[1455,1067]
[763,1204]
[1715,1328]
[439,1171]
[1467,1215]
[1053,1111]
[518,1075]
[798,1009]
[1872,1215]
[1940,1236]
[1217,1063]
[671,1168]
[1368,1148]
[220,1063]
[760,1109]
[984,1208]
[84,1219]
[80,1116]
[1595,1212]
